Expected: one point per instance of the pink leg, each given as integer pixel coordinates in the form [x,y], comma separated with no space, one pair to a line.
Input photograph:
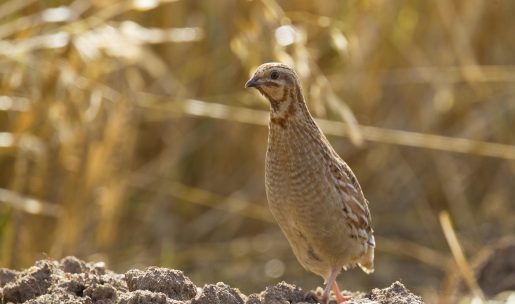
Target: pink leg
[331,284]
[330,281]
[339,297]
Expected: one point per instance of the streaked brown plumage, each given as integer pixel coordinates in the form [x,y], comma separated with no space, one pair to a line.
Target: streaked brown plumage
[312,193]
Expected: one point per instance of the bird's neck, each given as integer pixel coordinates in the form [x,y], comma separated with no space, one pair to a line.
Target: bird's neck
[294,135]
[292,108]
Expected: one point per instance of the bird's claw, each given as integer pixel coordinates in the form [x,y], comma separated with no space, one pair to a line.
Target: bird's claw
[334,299]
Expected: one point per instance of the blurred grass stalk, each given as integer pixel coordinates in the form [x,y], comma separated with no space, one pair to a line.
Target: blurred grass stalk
[200,108]
[459,257]
[28,204]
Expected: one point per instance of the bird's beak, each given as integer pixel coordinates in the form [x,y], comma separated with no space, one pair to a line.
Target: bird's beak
[253,82]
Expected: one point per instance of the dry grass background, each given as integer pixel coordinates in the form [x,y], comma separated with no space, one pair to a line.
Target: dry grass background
[126,134]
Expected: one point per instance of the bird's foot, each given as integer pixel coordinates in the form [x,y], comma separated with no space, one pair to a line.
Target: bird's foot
[335,298]
[341,298]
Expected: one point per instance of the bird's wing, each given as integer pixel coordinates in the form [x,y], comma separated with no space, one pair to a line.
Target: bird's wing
[354,204]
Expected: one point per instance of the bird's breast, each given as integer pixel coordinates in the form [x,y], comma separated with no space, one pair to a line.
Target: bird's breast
[296,172]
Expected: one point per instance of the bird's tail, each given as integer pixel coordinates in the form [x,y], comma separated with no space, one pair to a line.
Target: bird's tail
[367,262]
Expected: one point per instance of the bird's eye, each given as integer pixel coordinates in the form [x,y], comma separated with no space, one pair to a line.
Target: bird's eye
[274,75]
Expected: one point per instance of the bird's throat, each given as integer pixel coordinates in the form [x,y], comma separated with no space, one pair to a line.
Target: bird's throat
[290,108]
[282,112]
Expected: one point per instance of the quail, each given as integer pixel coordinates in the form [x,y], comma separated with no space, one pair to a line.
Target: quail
[312,193]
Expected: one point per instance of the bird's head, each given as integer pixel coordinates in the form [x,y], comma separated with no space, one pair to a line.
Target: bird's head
[276,81]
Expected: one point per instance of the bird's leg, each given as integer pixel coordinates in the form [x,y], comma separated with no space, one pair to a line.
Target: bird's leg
[331,284]
[330,281]
[339,297]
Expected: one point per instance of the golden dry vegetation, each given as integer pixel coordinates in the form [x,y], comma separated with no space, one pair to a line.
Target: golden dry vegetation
[126,134]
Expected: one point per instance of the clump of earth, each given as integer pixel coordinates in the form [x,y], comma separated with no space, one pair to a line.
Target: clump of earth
[72,281]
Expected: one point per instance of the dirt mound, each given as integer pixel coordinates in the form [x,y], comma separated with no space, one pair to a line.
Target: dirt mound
[72,281]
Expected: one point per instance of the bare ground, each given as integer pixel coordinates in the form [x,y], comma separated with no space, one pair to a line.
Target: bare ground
[72,281]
